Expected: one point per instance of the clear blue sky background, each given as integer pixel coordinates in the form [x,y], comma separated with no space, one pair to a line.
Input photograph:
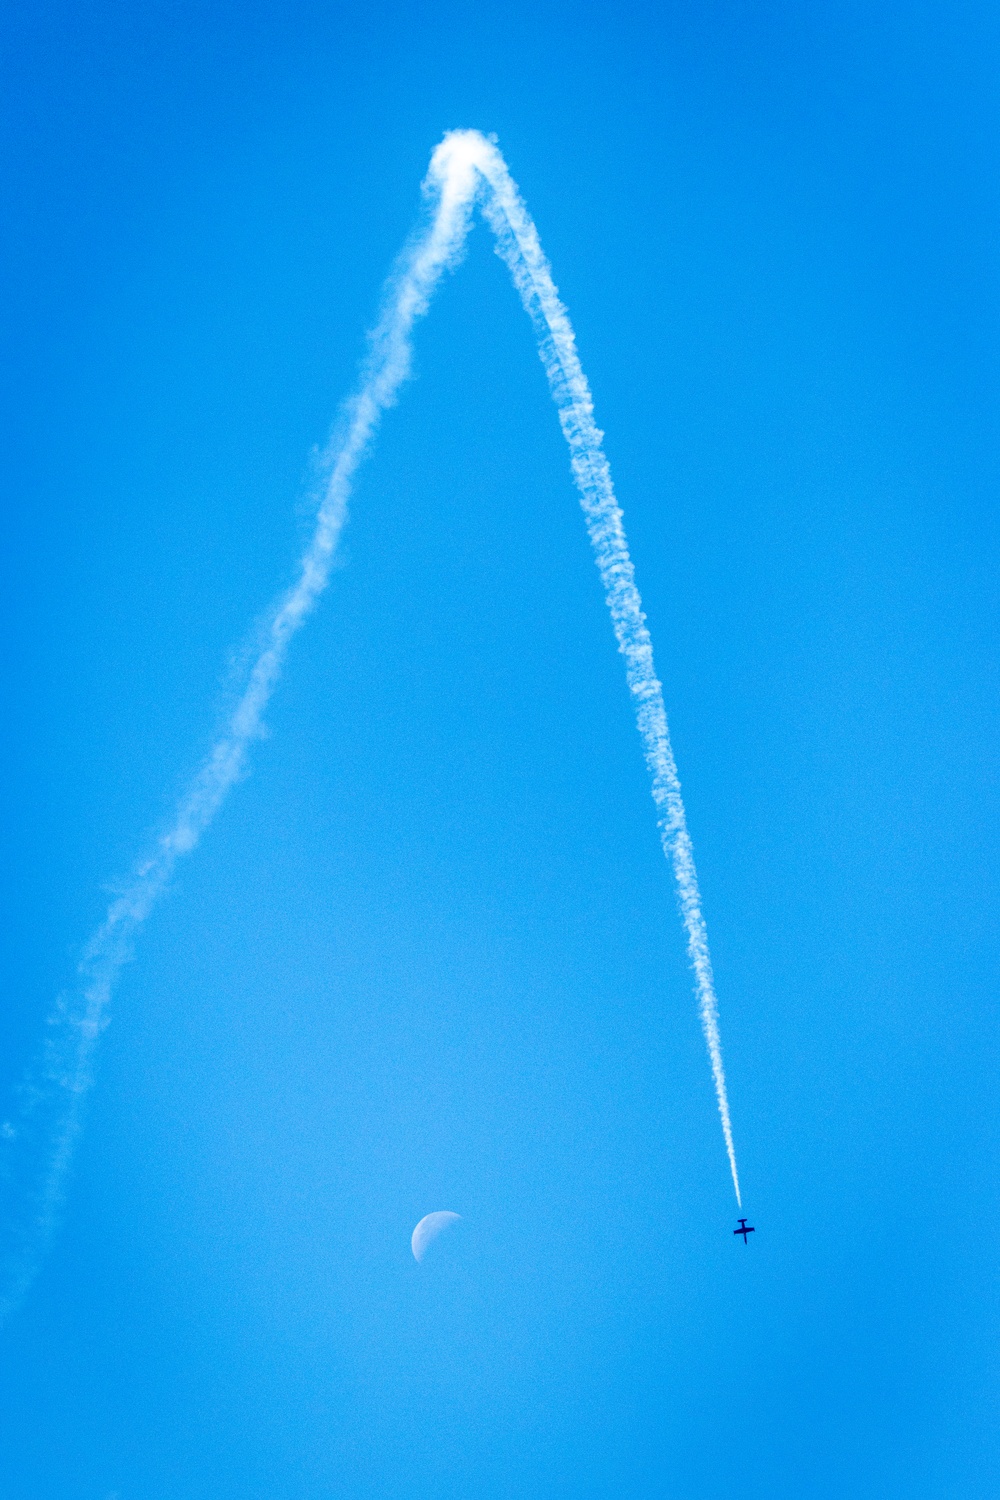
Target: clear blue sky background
[428,957]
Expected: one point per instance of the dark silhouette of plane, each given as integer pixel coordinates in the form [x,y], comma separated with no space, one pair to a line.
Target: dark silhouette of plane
[744,1230]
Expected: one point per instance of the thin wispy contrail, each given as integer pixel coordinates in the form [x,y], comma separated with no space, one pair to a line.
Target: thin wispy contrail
[466,167]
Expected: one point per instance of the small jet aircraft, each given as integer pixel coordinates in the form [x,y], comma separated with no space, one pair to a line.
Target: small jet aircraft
[744,1230]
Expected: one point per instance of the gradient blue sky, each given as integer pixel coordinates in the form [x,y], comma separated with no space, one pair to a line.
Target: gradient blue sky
[428,957]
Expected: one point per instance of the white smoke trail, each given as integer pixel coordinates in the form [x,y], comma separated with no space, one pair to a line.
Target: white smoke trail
[466,166]
[519,247]
[39,1142]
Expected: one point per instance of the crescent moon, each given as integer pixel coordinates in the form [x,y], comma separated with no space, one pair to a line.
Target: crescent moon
[428,1229]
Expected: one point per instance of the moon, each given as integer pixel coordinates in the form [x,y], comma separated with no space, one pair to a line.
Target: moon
[428,1229]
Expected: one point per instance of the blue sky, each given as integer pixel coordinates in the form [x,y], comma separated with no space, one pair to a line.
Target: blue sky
[428,957]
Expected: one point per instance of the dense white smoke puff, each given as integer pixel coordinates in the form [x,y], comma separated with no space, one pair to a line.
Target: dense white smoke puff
[38,1142]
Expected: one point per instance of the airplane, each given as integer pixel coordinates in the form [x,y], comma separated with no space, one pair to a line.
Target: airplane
[744,1230]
